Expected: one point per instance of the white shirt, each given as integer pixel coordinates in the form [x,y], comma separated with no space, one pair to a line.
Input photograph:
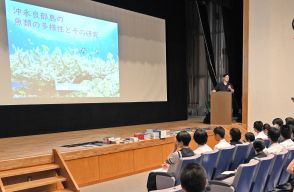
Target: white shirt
[261,135]
[274,148]
[287,144]
[222,144]
[202,149]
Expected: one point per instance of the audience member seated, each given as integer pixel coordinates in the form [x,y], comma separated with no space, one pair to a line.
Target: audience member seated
[275,147]
[266,127]
[259,146]
[278,122]
[286,137]
[289,121]
[200,137]
[249,137]
[181,149]
[235,134]
[258,128]
[219,135]
[193,178]
[291,167]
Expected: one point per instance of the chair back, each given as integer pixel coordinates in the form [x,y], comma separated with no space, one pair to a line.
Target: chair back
[224,160]
[267,143]
[250,153]
[244,176]
[285,176]
[275,171]
[182,163]
[208,162]
[261,174]
[240,154]
[177,188]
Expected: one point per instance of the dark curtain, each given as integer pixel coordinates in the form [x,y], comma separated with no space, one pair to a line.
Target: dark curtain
[199,83]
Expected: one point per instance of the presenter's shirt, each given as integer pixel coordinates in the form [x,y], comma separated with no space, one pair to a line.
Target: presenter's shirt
[222,87]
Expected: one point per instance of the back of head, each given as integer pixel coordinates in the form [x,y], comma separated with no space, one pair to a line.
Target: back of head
[184,136]
[258,126]
[274,134]
[249,136]
[286,131]
[266,126]
[278,122]
[235,134]
[219,131]
[193,178]
[289,121]
[200,136]
[258,145]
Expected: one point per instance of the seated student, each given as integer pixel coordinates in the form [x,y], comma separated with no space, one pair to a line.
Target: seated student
[266,127]
[275,147]
[259,146]
[193,178]
[219,135]
[249,137]
[289,120]
[286,137]
[180,150]
[200,137]
[277,122]
[258,128]
[235,134]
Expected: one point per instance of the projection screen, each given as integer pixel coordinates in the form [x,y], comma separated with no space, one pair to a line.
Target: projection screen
[79,51]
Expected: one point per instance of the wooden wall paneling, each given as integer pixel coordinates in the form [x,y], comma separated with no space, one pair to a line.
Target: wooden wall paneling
[85,170]
[147,158]
[245,61]
[116,164]
[166,150]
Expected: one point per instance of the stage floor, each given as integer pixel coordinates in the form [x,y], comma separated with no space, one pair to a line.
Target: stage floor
[37,145]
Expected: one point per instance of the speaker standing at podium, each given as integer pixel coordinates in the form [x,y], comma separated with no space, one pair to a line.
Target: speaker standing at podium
[224,85]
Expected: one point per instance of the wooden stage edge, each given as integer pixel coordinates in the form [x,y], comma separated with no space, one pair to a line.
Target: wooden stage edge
[91,165]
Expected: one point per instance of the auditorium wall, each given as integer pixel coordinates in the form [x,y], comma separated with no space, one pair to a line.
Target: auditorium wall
[270,60]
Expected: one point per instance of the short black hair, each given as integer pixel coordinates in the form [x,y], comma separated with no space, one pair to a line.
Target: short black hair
[274,134]
[184,136]
[266,126]
[258,125]
[235,134]
[193,178]
[286,131]
[289,121]
[278,121]
[226,74]
[200,136]
[249,136]
[219,131]
[258,145]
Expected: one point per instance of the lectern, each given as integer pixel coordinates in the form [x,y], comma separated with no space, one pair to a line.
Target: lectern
[221,108]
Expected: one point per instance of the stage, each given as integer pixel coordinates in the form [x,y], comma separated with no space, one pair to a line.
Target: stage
[97,164]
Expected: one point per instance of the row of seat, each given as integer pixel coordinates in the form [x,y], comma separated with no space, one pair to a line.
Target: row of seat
[216,162]
[261,174]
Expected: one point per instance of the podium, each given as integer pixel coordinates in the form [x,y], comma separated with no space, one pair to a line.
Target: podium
[221,108]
